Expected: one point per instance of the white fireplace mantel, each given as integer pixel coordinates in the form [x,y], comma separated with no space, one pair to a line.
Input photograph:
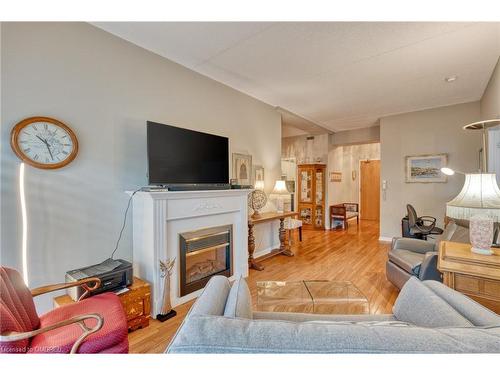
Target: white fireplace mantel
[159,218]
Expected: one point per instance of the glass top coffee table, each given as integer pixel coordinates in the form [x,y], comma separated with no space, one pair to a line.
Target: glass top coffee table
[315,296]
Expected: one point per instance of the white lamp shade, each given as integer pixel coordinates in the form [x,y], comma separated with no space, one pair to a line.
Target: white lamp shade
[479,195]
[280,188]
[259,185]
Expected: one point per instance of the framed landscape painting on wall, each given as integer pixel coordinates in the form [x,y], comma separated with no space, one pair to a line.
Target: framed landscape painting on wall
[426,168]
[242,168]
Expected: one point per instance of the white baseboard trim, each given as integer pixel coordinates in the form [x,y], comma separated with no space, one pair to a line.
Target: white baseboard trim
[265,251]
[385,239]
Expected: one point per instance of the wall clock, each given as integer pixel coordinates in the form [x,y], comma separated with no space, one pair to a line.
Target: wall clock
[44,142]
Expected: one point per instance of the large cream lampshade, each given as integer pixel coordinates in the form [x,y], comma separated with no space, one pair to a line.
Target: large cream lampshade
[479,195]
[479,202]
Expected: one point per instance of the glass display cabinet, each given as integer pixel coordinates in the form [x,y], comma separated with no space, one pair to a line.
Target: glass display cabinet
[311,195]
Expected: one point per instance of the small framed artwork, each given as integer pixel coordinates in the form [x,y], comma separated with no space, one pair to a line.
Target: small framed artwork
[242,168]
[426,168]
[336,176]
[258,173]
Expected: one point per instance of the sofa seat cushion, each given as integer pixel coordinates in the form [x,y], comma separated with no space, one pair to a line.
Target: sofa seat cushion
[419,305]
[239,301]
[113,333]
[217,334]
[410,261]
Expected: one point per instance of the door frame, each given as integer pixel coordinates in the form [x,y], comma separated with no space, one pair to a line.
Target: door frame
[359,188]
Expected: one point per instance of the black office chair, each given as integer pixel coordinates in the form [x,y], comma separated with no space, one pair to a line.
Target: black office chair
[422,226]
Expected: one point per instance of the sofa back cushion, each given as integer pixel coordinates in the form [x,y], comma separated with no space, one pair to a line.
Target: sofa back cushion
[419,305]
[17,309]
[212,300]
[467,307]
[239,301]
[456,231]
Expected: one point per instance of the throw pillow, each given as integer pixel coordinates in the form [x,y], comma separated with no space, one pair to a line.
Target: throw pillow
[239,301]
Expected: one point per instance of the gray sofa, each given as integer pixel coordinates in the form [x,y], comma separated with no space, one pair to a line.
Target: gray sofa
[428,317]
[412,257]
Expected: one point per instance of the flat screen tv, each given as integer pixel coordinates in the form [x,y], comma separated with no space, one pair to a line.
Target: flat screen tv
[179,156]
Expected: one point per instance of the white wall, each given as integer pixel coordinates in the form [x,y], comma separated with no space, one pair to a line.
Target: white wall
[490,102]
[306,151]
[105,89]
[356,136]
[437,130]
[490,109]
[291,131]
[494,152]
[345,159]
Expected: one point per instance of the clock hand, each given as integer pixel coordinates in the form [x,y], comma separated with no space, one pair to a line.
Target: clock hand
[40,138]
[48,148]
[46,144]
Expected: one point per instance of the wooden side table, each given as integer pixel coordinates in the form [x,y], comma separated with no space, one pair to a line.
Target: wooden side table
[264,218]
[136,303]
[475,275]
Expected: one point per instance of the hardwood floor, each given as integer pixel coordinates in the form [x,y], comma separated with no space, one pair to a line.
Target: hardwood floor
[355,255]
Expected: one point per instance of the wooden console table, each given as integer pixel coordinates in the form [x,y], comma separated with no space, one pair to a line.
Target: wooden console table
[477,276]
[263,218]
[136,303]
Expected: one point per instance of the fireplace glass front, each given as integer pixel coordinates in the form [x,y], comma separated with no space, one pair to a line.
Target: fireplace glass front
[203,254]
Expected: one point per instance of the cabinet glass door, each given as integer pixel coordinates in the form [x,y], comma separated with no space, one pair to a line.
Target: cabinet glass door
[306,185]
[319,187]
[306,214]
[318,219]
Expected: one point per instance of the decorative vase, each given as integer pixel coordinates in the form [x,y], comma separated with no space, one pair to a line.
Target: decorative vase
[481,234]
[166,311]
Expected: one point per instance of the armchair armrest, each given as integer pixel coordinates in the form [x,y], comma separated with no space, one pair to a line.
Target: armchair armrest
[412,244]
[84,283]
[426,223]
[80,320]
[428,269]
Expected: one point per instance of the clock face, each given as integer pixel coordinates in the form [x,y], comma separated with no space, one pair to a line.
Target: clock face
[44,142]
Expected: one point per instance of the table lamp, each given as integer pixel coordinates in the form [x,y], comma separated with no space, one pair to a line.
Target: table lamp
[478,202]
[280,190]
[259,185]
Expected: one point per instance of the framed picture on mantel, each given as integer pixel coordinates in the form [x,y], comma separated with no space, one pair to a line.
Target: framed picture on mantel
[242,168]
[426,168]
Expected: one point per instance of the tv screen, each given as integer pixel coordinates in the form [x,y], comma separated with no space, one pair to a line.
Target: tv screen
[182,156]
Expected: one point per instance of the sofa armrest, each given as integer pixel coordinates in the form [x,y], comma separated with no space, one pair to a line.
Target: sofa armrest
[428,269]
[412,244]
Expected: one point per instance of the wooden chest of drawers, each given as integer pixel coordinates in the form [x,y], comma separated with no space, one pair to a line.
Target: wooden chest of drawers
[477,276]
[136,303]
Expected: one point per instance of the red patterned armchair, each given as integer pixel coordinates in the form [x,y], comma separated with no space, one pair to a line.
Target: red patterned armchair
[93,325]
